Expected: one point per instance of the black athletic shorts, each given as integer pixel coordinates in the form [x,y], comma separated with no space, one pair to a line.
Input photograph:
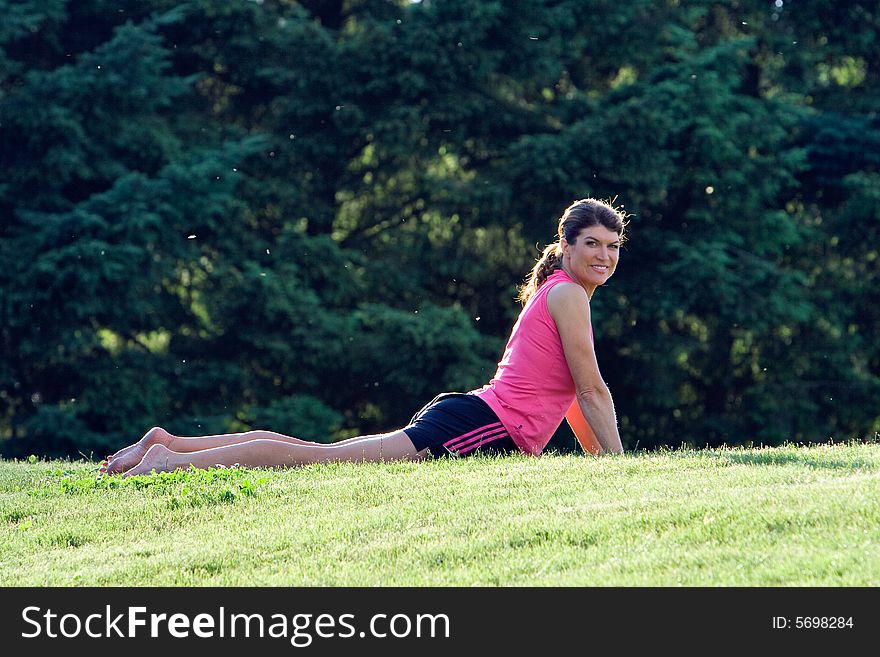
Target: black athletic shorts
[458,424]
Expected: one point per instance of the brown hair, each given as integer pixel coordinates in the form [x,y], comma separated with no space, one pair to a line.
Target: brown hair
[579,215]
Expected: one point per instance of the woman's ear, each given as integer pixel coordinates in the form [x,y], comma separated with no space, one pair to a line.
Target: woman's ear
[565,246]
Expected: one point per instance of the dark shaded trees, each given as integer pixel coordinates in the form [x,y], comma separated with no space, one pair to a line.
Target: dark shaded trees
[313,216]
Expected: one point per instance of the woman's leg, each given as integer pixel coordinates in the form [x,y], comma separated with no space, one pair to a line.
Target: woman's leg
[262,452]
[130,456]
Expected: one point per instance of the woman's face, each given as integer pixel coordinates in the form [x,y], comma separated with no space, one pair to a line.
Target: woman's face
[593,257]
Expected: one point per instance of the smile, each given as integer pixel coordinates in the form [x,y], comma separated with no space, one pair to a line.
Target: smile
[600,268]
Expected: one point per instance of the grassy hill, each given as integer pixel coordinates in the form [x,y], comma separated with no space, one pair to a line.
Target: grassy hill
[805,516]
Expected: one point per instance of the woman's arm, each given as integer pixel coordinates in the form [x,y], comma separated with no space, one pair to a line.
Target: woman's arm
[570,309]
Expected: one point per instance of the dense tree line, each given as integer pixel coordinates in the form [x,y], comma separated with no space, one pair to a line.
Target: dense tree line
[313,216]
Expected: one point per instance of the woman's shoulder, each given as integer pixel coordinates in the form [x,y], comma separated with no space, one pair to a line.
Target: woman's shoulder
[567,296]
[567,290]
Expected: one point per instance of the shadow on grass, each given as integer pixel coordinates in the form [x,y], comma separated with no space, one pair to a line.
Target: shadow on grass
[772,457]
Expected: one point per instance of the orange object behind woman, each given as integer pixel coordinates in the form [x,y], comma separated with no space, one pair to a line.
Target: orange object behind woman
[582,430]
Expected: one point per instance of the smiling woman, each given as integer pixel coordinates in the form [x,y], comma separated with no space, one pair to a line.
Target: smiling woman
[548,371]
[603,223]
[584,256]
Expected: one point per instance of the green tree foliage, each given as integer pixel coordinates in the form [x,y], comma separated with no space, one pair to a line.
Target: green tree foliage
[312,216]
[101,194]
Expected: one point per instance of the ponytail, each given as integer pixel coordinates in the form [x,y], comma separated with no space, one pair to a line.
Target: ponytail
[550,261]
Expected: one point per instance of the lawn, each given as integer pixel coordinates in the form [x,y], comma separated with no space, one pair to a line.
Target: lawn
[785,516]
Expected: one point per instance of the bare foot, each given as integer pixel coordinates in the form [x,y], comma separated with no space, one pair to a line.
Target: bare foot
[157,458]
[130,456]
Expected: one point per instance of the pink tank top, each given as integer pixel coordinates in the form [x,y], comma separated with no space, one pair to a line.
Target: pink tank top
[532,388]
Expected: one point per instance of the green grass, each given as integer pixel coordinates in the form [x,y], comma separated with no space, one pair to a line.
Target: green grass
[761,517]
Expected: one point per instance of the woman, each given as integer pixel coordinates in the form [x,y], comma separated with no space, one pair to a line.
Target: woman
[548,371]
